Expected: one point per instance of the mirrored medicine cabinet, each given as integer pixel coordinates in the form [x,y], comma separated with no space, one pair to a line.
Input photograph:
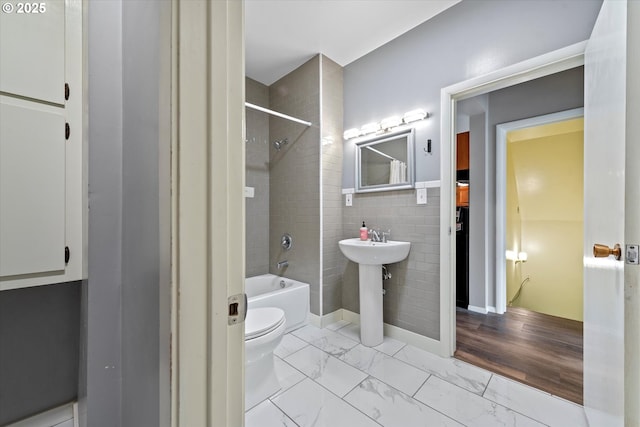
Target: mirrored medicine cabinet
[385,162]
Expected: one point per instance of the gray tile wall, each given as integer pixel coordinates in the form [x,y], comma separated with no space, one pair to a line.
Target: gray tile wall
[412,301]
[331,108]
[289,185]
[295,177]
[257,176]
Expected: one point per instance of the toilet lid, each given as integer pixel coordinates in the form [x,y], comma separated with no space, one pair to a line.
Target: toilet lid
[261,321]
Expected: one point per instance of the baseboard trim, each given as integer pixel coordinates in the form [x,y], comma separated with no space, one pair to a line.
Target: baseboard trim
[315,320]
[330,318]
[476,309]
[481,310]
[50,418]
[416,340]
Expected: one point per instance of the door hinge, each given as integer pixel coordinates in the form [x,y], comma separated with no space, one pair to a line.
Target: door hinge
[67,131]
[67,254]
[66,91]
[237,308]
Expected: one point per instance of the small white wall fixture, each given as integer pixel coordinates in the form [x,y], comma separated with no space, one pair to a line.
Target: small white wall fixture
[502,130]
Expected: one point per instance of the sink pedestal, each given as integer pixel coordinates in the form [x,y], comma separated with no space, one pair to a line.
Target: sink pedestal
[370,282]
[370,257]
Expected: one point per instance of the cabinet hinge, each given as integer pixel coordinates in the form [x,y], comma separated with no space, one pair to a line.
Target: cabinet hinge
[67,254]
[237,308]
[66,91]
[67,131]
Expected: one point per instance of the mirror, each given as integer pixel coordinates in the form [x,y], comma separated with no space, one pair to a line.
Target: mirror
[385,162]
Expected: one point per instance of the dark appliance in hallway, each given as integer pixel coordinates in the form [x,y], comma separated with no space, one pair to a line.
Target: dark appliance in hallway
[462,256]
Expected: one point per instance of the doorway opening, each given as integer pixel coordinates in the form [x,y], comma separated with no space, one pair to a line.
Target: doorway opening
[538,340]
[539,214]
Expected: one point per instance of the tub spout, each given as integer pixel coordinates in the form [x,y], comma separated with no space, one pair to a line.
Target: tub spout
[282,264]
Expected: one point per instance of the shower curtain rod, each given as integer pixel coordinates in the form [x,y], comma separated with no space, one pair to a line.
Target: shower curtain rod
[275,113]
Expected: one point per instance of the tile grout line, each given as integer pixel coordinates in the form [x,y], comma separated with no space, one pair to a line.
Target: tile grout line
[482,395]
[487,386]
[488,400]
[348,403]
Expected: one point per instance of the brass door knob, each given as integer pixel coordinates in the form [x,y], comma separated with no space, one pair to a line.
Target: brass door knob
[601,251]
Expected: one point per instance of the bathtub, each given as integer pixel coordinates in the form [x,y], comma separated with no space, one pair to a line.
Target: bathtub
[266,291]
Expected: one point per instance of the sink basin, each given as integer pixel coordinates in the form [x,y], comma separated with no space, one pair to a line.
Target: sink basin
[370,256]
[374,253]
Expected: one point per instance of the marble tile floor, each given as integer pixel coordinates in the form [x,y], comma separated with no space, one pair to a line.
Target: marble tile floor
[330,380]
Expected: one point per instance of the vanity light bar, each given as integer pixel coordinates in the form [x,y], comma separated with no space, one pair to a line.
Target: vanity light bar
[352,133]
[370,128]
[414,116]
[386,124]
[391,122]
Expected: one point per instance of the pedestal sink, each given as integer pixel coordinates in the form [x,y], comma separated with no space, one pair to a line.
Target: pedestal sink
[370,256]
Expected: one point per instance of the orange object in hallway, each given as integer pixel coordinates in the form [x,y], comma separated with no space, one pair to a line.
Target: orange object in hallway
[462,195]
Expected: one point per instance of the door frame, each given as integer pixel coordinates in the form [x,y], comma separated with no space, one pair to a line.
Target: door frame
[553,62]
[501,192]
[207,212]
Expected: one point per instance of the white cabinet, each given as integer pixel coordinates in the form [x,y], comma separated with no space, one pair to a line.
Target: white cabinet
[43,188]
[32,188]
[33,53]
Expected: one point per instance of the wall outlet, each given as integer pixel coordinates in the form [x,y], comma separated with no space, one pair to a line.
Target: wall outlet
[348,200]
[421,196]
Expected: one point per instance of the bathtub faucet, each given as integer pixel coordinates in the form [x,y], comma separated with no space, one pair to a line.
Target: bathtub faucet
[282,264]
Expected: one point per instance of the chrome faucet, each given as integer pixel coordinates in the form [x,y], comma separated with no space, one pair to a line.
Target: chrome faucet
[282,264]
[379,236]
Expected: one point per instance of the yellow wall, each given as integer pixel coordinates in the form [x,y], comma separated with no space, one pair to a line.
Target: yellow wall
[513,230]
[545,218]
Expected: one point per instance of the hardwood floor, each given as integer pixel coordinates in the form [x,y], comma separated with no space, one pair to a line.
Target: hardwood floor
[536,349]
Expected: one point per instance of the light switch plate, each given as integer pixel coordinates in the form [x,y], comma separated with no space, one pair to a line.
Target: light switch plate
[348,200]
[249,192]
[421,196]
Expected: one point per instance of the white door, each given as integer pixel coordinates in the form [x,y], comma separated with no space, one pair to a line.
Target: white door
[604,187]
[208,210]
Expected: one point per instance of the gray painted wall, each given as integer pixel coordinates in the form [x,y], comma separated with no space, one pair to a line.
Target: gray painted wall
[100,400]
[145,29]
[39,349]
[124,364]
[477,209]
[470,39]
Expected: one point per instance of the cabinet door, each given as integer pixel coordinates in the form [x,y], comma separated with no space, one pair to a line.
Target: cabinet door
[32,50]
[32,188]
[462,146]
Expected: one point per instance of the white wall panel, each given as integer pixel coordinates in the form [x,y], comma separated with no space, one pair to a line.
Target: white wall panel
[32,37]
[32,188]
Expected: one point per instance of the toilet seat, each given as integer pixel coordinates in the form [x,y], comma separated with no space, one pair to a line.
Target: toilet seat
[261,321]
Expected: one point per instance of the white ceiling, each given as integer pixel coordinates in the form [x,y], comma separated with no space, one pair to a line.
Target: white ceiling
[281,35]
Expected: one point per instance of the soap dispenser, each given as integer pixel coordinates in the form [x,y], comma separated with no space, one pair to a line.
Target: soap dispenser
[364,232]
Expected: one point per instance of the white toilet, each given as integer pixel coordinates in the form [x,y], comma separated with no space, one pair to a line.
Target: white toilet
[263,332]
